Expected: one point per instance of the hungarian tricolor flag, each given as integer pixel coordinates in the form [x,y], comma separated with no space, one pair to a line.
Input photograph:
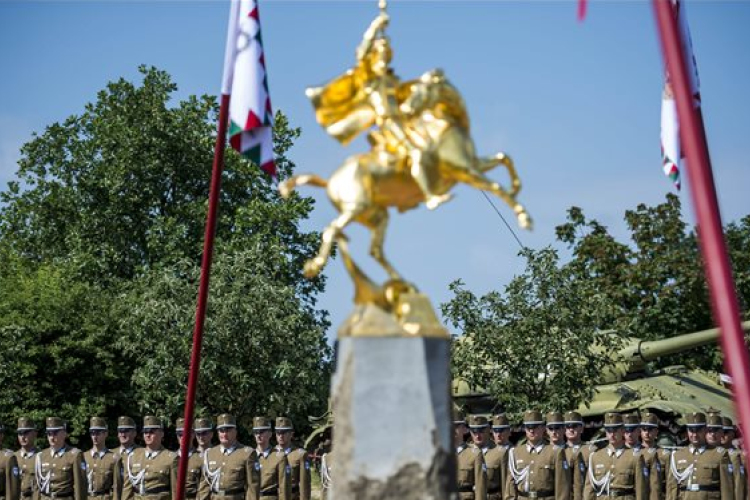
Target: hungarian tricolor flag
[671,152]
[246,81]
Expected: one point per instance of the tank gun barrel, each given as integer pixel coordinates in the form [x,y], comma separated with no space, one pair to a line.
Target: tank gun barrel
[652,349]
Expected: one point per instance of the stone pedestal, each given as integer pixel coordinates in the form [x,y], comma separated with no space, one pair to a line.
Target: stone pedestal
[392,415]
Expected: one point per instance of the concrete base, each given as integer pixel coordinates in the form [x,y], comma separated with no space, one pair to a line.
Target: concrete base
[392,419]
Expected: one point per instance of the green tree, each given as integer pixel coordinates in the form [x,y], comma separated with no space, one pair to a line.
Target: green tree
[108,209]
[532,345]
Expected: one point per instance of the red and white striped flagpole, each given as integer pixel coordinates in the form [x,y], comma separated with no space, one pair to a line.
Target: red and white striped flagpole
[208,250]
[715,257]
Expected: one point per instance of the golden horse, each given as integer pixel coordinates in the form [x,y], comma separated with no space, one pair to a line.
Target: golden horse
[367,184]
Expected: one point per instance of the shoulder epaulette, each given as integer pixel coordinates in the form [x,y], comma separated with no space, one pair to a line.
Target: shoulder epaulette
[172,454]
[8,453]
[247,449]
[651,451]
[280,453]
[720,449]
[74,451]
[301,451]
[636,451]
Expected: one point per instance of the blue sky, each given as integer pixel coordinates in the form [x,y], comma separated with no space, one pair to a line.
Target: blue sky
[576,105]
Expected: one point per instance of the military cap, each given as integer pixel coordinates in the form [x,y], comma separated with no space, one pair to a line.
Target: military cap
[555,418]
[179,424]
[533,417]
[500,422]
[649,420]
[712,411]
[695,419]
[713,421]
[284,424]
[125,423]
[631,420]
[612,420]
[573,417]
[203,424]
[97,424]
[459,417]
[25,424]
[225,420]
[478,422]
[151,422]
[55,424]
[261,424]
[727,423]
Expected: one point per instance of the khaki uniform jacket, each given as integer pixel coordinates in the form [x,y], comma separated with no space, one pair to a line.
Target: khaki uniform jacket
[472,474]
[26,463]
[300,465]
[60,472]
[234,475]
[102,475]
[620,473]
[122,455]
[10,476]
[740,474]
[275,475]
[496,462]
[155,477]
[654,461]
[578,459]
[542,472]
[706,474]
[193,474]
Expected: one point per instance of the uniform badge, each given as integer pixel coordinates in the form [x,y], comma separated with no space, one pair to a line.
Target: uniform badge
[730,468]
[658,467]
[484,467]
[565,464]
[645,471]
[288,470]
[742,470]
[582,466]
[83,466]
[307,465]
[257,466]
[16,472]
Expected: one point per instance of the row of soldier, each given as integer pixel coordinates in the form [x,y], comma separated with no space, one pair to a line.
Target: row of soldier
[630,467]
[227,471]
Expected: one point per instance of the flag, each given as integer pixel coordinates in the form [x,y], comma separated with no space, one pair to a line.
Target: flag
[246,81]
[671,152]
[581,10]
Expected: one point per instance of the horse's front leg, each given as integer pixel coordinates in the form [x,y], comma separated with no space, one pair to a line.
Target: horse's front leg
[330,235]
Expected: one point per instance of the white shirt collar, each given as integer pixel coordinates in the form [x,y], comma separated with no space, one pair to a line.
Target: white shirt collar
[538,448]
[700,450]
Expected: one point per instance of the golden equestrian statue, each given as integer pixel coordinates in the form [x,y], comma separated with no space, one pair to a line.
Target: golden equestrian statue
[420,148]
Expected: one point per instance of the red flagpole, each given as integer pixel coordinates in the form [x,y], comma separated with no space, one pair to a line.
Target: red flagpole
[200,313]
[715,257]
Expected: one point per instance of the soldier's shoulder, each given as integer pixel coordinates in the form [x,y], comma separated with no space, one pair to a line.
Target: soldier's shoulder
[8,453]
[75,451]
[280,454]
[171,454]
[301,452]
[721,450]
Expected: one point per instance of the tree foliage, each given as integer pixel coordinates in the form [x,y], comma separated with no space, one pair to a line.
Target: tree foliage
[101,237]
[531,346]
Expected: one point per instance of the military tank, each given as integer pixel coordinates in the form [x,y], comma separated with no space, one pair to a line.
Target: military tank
[630,385]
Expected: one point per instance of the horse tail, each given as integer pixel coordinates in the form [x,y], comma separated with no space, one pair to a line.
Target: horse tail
[490,162]
[286,187]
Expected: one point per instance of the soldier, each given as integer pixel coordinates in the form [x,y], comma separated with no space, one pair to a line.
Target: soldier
[25,455]
[230,470]
[126,433]
[714,437]
[151,472]
[204,434]
[616,471]
[556,429]
[195,462]
[632,430]
[501,436]
[699,471]
[740,468]
[275,473]
[535,469]
[493,455]
[297,458]
[60,469]
[472,478]
[103,476]
[657,459]
[575,452]
[10,474]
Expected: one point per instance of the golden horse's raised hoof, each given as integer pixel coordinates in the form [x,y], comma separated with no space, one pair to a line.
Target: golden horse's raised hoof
[524,220]
[435,200]
[286,188]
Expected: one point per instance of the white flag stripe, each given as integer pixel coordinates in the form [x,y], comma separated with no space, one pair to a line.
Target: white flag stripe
[231,47]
